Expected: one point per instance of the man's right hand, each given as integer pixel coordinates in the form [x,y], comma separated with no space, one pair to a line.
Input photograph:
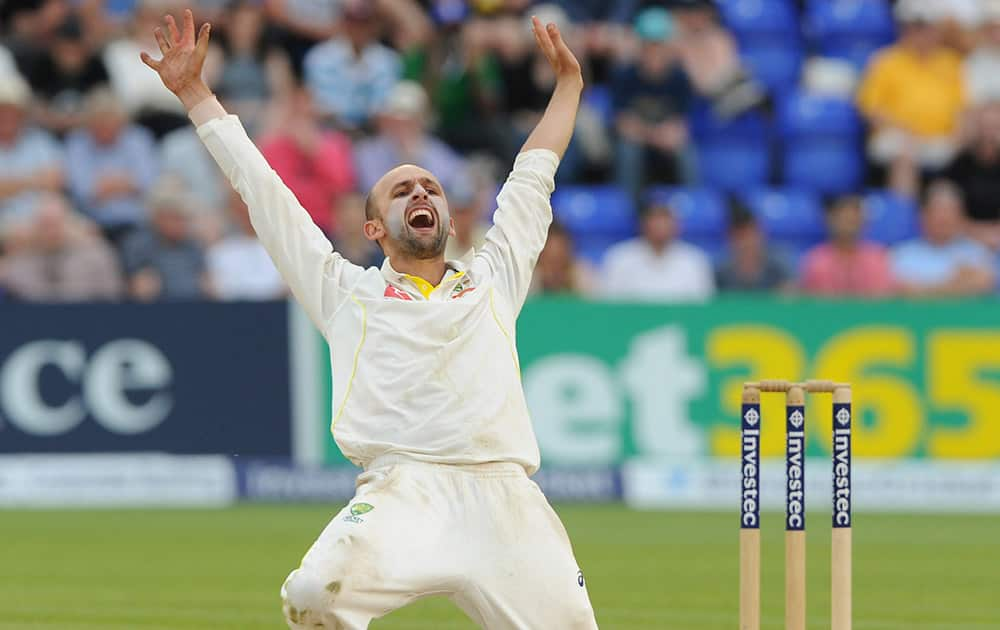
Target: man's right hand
[183,58]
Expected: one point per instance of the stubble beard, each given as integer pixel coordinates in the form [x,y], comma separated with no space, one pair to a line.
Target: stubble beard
[423,247]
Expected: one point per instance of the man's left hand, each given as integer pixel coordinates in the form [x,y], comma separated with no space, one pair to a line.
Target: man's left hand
[564,63]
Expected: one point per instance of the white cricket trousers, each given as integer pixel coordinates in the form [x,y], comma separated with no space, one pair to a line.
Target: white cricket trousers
[482,535]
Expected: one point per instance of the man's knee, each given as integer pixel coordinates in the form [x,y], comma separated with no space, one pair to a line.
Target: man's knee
[308,598]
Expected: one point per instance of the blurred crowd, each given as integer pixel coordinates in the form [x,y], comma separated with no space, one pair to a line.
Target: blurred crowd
[106,192]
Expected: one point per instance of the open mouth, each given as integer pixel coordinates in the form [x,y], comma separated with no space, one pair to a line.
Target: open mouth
[421,218]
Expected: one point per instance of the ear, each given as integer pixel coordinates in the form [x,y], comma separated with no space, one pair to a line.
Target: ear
[451,226]
[374,230]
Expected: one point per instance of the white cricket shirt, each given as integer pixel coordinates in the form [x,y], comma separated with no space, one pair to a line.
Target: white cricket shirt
[427,372]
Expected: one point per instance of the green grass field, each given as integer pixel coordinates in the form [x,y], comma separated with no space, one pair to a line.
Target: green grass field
[221,569]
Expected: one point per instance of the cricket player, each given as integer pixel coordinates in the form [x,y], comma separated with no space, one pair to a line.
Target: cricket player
[427,391]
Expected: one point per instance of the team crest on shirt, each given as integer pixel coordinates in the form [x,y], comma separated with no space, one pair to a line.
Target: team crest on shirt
[393,292]
[357,510]
[461,289]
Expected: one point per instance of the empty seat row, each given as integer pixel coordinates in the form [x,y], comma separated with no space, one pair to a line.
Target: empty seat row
[600,216]
[815,141]
[773,38]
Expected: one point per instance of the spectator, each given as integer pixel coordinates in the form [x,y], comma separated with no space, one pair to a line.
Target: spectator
[403,139]
[976,171]
[248,71]
[407,23]
[943,262]
[750,265]
[30,27]
[604,32]
[712,61]
[982,66]
[239,267]
[184,158]
[959,20]
[651,99]
[528,81]
[111,165]
[846,265]
[298,25]
[559,271]
[463,79]
[600,12]
[656,265]
[912,94]
[315,163]
[65,74]
[140,91]
[163,261]
[7,64]
[30,160]
[351,76]
[467,216]
[61,258]
[350,240]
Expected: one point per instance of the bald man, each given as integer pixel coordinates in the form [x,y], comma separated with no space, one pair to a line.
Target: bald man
[427,392]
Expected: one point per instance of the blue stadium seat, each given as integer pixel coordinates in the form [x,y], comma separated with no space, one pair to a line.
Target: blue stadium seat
[849,29]
[792,218]
[759,17]
[822,143]
[777,64]
[596,216]
[701,211]
[592,248]
[702,214]
[732,154]
[769,39]
[890,218]
[598,97]
[733,166]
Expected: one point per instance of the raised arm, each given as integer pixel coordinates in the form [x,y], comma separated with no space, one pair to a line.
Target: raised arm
[524,213]
[555,128]
[318,277]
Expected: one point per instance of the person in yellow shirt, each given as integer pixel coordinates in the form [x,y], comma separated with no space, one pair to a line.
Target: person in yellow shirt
[913,95]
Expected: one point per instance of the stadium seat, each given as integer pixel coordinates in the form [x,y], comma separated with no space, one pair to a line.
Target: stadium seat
[791,218]
[777,65]
[598,98]
[702,214]
[890,218]
[849,29]
[821,143]
[763,18]
[769,39]
[732,154]
[596,217]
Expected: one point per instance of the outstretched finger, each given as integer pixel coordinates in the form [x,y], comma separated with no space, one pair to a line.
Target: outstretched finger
[188,26]
[161,40]
[537,34]
[556,37]
[543,39]
[149,61]
[175,36]
[203,33]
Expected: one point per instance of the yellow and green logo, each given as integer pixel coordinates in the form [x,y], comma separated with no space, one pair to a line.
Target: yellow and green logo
[361,508]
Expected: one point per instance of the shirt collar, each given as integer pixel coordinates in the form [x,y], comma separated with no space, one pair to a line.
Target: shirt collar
[454,269]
